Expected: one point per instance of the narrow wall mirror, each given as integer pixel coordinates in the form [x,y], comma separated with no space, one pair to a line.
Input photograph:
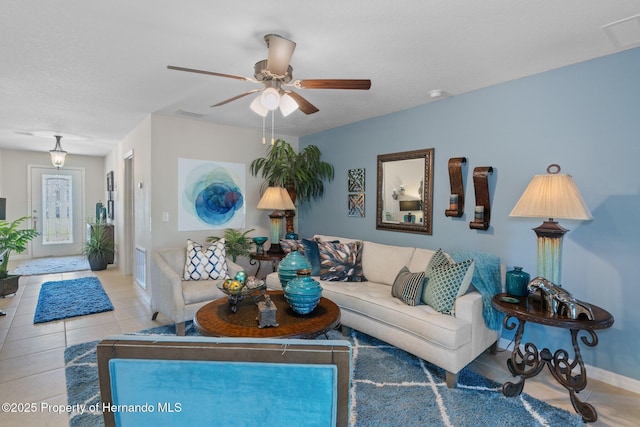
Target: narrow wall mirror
[405,191]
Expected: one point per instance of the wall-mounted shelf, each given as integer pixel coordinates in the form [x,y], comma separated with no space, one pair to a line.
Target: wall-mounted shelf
[481,185]
[456,198]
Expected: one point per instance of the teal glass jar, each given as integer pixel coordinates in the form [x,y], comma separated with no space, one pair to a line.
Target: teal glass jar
[303,293]
[516,282]
[289,265]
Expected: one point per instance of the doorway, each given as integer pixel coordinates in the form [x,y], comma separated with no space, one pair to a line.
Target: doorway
[56,198]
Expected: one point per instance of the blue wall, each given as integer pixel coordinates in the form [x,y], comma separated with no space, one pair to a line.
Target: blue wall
[586,118]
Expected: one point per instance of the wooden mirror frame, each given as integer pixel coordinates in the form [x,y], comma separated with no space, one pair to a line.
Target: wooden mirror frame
[427,193]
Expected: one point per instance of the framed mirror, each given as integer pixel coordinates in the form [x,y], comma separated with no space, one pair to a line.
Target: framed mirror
[405,191]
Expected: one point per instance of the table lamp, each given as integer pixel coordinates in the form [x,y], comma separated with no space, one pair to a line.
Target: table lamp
[278,199]
[553,195]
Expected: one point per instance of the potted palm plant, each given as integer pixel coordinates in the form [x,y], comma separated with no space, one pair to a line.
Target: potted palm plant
[236,243]
[12,239]
[302,174]
[98,248]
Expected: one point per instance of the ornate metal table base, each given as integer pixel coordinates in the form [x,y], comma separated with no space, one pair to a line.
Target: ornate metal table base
[529,363]
[234,299]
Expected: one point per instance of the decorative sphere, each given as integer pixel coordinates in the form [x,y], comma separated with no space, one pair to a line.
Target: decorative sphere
[241,276]
[235,286]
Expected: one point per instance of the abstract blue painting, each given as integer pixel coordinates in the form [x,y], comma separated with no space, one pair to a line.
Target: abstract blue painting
[211,195]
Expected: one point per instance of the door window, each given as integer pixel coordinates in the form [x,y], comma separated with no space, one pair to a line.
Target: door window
[57,212]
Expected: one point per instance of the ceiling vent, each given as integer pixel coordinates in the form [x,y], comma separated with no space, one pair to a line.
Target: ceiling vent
[624,33]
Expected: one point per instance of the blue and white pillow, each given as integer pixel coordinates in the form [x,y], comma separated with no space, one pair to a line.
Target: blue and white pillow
[206,263]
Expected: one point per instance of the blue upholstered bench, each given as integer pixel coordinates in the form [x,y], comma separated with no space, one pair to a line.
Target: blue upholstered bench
[156,380]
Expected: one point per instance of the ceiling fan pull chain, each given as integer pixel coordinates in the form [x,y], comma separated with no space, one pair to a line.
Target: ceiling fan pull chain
[264,140]
[272,126]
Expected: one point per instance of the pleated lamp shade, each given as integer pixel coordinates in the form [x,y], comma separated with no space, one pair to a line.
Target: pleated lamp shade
[552,196]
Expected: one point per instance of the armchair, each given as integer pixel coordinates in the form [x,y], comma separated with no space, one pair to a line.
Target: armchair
[174,297]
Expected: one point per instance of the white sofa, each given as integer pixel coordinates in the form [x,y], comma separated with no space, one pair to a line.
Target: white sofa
[448,341]
[174,297]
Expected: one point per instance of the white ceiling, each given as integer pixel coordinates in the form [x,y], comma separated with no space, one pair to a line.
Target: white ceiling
[96,69]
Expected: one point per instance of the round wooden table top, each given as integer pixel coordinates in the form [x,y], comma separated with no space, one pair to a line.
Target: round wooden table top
[216,319]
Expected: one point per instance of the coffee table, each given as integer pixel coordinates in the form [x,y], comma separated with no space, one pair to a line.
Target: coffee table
[216,319]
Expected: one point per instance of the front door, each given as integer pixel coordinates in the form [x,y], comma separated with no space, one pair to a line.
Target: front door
[57,198]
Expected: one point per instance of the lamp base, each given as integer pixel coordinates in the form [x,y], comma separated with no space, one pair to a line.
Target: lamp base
[550,235]
[276,231]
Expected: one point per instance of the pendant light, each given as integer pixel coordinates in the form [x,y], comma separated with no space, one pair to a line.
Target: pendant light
[58,154]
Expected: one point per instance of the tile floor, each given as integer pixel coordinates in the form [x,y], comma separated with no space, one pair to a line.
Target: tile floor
[32,365]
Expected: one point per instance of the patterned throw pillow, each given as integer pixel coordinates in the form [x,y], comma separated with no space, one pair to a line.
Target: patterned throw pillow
[288,245]
[408,286]
[206,263]
[443,286]
[438,259]
[341,262]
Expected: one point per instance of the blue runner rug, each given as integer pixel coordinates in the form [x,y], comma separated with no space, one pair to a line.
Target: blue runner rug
[71,298]
[51,265]
[390,387]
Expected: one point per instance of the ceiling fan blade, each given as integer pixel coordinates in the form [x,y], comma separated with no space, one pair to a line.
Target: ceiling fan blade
[363,84]
[280,53]
[226,101]
[211,73]
[304,105]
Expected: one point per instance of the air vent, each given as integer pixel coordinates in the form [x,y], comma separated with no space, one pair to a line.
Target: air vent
[624,33]
[192,114]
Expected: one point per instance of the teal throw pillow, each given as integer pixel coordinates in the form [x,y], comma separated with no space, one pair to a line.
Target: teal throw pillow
[438,259]
[311,252]
[341,262]
[408,286]
[443,286]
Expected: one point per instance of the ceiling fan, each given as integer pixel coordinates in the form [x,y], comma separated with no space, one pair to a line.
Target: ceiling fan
[276,73]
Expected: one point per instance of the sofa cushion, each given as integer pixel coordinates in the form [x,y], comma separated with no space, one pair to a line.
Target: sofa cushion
[408,286]
[198,291]
[373,300]
[381,263]
[341,261]
[205,263]
[443,285]
[420,259]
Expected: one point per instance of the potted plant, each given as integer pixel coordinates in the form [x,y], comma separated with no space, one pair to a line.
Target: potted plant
[98,248]
[236,243]
[302,174]
[12,239]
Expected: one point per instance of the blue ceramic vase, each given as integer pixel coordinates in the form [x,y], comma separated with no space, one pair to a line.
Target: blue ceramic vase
[516,282]
[289,265]
[303,293]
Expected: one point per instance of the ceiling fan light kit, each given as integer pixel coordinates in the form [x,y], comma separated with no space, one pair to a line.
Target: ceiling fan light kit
[275,72]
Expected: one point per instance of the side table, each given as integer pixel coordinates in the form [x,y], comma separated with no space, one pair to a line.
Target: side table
[529,363]
[274,257]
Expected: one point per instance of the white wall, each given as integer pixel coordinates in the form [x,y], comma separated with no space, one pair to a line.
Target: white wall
[14,180]
[157,143]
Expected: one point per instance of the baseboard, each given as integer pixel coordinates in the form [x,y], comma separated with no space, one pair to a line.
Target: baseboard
[593,372]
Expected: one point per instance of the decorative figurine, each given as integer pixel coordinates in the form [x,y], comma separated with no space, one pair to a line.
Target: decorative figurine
[267,313]
[557,301]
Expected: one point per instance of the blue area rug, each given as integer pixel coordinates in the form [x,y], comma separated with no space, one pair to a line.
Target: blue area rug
[389,388]
[71,298]
[51,265]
